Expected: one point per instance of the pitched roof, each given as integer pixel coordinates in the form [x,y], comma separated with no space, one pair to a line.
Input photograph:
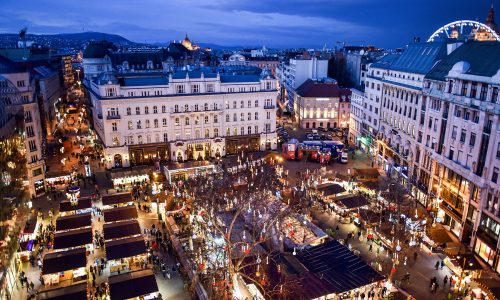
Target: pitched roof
[120,213]
[73,238]
[56,262]
[121,229]
[385,62]
[83,203]
[73,222]
[192,74]
[483,59]
[73,292]
[419,57]
[311,88]
[132,284]
[116,198]
[126,247]
[239,78]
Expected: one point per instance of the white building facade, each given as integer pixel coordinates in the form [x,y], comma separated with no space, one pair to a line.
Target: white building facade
[143,118]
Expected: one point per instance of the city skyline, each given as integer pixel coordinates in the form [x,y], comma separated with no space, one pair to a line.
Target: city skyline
[302,23]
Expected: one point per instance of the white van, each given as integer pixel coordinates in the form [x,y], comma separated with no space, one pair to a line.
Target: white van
[314,131]
[344,157]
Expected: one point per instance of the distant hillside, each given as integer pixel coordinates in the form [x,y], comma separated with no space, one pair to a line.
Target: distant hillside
[64,40]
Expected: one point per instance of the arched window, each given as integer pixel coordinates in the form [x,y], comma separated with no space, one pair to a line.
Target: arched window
[177,122]
[206,119]
[156,123]
[139,139]
[187,121]
[146,110]
[155,109]
[206,106]
[216,132]
[163,109]
[139,125]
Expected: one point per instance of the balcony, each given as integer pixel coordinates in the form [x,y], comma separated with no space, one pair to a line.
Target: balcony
[113,117]
[269,106]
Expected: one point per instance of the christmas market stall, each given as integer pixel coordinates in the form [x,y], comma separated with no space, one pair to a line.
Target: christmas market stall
[348,207]
[64,265]
[132,285]
[120,213]
[182,171]
[124,254]
[73,221]
[300,232]
[73,238]
[465,268]
[28,237]
[121,229]
[366,174]
[73,292]
[82,205]
[125,179]
[113,200]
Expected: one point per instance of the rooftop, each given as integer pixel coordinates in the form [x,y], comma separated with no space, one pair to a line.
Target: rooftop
[327,89]
[483,59]
[419,57]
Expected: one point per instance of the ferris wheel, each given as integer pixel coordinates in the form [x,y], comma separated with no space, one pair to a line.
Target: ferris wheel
[460,29]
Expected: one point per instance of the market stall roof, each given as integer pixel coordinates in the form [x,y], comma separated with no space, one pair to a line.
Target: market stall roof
[73,292]
[120,213]
[30,226]
[330,189]
[121,229]
[83,203]
[132,284]
[56,262]
[439,235]
[73,222]
[116,198]
[126,247]
[352,201]
[338,267]
[73,238]
[371,172]
[129,173]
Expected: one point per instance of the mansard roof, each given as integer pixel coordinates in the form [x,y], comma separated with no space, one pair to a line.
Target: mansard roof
[419,58]
[483,59]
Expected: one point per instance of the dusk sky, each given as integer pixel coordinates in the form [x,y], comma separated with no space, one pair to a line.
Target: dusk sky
[279,23]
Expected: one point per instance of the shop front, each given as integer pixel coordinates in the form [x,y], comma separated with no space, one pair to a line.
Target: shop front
[487,239]
[182,171]
[247,143]
[197,150]
[145,154]
[450,216]
[64,266]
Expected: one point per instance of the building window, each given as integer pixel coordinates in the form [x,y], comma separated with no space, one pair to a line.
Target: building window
[256,128]
[147,124]
[177,123]
[186,107]
[249,130]
[20,83]
[463,135]
[473,90]
[227,118]
[256,115]
[139,139]
[235,118]
[32,145]
[256,103]
[464,88]
[155,109]
[163,109]
[249,103]
[206,119]
[195,88]
[129,111]
[187,121]
[249,116]
[205,106]
[234,104]
[210,88]
[114,127]
[155,122]
[242,130]
[164,122]
[268,115]
[494,95]
[165,137]
[180,89]
[484,91]
[207,133]
[498,151]
[494,176]
[176,108]
[196,120]
[216,132]
[196,107]
[139,125]
[472,140]
[146,110]
[268,85]
[242,117]
[216,120]
[454,133]
[137,110]
[130,126]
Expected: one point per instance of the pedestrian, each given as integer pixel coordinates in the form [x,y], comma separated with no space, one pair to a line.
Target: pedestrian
[32,286]
[433,287]
[436,266]
[370,248]
[436,286]
[442,264]
[445,281]
[415,255]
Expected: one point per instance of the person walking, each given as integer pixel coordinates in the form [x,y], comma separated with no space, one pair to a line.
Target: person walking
[445,281]
[442,264]
[436,266]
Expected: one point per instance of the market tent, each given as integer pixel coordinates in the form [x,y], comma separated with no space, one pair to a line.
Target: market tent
[339,269]
[56,262]
[73,292]
[120,213]
[73,222]
[30,226]
[83,203]
[126,247]
[366,172]
[330,189]
[116,199]
[132,284]
[73,238]
[121,229]
[352,201]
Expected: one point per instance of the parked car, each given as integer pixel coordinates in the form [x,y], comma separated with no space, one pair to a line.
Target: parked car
[344,157]
[314,131]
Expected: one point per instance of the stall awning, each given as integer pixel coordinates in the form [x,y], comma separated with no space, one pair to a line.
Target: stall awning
[120,213]
[126,247]
[121,229]
[73,222]
[352,201]
[73,238]
[369,172]
[30,226]
[56,262]
[73,292]
[132,284]
[116,199]
[330,189]
[338,268]
[83,203]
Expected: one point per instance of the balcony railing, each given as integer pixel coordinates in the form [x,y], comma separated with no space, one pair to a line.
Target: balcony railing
[113,117]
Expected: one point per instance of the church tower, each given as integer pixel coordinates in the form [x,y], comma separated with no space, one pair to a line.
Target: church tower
[490,20]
